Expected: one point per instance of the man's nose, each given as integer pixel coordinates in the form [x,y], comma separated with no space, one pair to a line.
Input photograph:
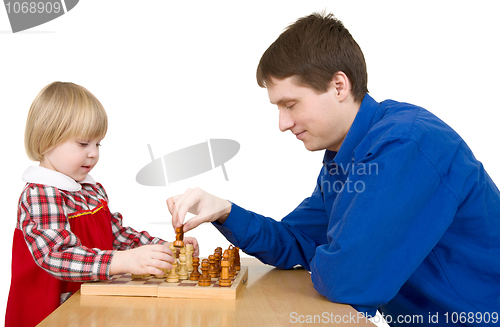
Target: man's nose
[285,120]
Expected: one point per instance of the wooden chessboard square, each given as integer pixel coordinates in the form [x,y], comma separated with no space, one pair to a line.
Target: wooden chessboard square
[153,282]
[118,282]
[192,283]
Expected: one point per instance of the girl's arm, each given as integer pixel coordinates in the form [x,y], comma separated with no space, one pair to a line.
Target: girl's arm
[128,238]
[55,248]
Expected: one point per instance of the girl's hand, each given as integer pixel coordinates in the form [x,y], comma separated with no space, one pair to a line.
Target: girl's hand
[189,240]
[146,259]
[194,242]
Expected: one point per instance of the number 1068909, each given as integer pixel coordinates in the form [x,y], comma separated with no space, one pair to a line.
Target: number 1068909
[33,7]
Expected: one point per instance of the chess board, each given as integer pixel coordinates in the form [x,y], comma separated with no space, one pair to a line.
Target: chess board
[124,285]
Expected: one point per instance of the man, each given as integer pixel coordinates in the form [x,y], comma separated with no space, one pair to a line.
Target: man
[403,219]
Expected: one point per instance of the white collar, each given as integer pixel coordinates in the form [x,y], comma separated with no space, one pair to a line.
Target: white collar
[42,175]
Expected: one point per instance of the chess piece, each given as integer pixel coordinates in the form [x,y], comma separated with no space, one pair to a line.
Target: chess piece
[182,252]
[174,250]
[218,258]
[195,274]
[212,271]
[183,273]
[189,257]
[165,273]
[136,276]
[237,261]
[204,279]
[224,279]
[219,251]
[174,255]
[231,261]
[179,237]
[173,277]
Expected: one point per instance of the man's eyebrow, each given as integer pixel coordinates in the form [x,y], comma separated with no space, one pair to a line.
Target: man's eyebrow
[283,101]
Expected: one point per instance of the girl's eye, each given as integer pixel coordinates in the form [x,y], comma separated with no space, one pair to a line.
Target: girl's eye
[83,143]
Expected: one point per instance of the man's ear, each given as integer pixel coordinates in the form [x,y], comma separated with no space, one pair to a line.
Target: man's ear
[342,85]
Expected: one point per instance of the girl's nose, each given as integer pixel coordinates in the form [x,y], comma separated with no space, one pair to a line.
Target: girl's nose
[94,151]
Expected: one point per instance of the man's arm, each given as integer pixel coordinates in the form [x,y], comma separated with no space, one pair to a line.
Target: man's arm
[380,234]
[284,244]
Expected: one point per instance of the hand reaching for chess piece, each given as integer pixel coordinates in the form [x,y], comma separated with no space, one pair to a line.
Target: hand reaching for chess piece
[205,206]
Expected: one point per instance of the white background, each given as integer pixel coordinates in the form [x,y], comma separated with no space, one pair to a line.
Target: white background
[175,73]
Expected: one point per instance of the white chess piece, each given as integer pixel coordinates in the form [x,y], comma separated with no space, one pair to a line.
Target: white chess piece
[183,273]
[189,257]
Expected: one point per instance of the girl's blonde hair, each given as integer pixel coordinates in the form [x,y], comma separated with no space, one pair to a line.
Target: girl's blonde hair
[59,112]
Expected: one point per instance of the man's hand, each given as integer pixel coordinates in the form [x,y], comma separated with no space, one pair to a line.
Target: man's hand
[146,259]
[205,206]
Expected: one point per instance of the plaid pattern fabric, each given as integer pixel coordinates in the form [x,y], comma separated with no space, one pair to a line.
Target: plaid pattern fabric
[43,218]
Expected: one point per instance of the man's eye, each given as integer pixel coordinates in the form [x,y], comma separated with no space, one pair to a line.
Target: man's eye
[290,106]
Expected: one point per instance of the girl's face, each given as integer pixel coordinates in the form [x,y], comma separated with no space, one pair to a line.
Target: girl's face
[74,158]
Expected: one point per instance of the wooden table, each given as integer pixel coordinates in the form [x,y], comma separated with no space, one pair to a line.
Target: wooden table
[271,297]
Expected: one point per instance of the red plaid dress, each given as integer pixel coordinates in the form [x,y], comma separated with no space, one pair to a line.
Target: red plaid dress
[62,238]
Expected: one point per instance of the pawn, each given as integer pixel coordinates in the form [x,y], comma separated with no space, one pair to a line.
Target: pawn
[205,279]
[212,271]
[183,273]
[225,280]
[218,257]
[189,257]
[237,261]
[230,252]
[195,274]
[219,251]
[137,276]
[174,251]
[182,251]
[165,273]
[173,277]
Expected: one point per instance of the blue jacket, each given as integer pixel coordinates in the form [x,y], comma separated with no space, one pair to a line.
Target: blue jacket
[403,219]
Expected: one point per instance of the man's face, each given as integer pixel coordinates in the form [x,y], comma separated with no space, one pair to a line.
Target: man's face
[318,120]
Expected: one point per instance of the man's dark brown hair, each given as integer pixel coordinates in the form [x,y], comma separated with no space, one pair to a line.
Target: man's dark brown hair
[313,49]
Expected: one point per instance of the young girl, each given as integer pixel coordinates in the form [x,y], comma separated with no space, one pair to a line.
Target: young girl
[65,233]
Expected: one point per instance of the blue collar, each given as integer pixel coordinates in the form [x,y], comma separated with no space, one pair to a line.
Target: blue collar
[365,118]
